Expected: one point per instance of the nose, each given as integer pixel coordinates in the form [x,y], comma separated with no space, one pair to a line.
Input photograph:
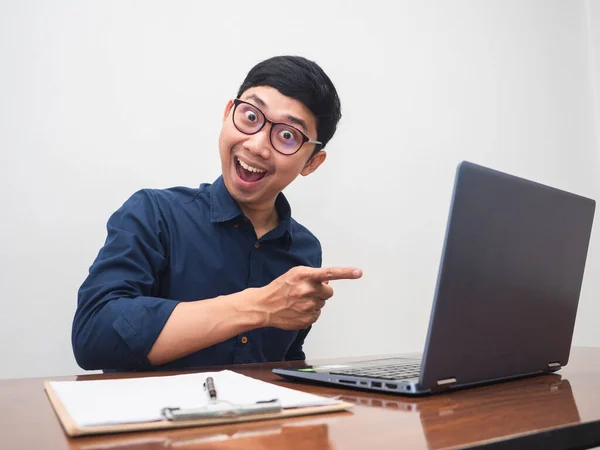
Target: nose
[259,144]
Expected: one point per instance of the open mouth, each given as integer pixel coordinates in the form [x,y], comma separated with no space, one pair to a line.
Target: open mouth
[248,173]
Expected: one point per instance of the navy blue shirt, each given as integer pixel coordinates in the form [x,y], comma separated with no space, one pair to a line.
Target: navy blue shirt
[179,245]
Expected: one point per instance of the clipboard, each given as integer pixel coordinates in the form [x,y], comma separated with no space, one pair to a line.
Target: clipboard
[188,418]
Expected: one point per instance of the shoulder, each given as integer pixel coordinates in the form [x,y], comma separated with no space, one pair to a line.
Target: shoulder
[152,205]
[162,199]
[303,234]
[177,194]
[304,240]
[159,212]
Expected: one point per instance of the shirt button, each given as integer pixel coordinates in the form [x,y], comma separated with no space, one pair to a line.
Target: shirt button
[235,225]
[244,339]
[256,245]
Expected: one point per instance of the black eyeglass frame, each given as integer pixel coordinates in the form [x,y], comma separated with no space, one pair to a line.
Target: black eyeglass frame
[305,138]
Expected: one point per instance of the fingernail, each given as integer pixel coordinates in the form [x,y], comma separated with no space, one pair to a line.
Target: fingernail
[357,272]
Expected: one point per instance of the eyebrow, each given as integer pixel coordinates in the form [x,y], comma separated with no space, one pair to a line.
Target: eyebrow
[295,120]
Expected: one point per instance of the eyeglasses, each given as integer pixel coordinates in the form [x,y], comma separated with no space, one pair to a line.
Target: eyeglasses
[286,139]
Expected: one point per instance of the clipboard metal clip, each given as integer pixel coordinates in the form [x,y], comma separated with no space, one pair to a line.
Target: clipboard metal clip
[221,409]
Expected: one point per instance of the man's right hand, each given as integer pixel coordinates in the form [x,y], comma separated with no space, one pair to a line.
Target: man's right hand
[294,300]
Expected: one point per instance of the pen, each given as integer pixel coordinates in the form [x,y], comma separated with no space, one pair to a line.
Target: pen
[209,385]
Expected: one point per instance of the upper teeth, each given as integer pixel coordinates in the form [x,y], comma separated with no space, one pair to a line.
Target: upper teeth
[250,168]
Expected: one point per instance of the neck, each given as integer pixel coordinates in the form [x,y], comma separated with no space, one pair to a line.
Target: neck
[264,218]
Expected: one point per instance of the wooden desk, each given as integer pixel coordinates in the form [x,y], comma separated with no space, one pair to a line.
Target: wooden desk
[552,411]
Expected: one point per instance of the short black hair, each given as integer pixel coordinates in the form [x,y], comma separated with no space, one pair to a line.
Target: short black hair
[301,79]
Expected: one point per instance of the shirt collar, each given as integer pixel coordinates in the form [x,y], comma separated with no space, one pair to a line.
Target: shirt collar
[224,208]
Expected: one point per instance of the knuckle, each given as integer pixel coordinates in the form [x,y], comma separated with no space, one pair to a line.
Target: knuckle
[293,272]
[302,270]
[304,290]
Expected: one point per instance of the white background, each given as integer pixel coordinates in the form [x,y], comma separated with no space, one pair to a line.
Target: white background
[100,99]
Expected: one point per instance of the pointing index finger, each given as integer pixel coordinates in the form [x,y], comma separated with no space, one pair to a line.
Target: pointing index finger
[334,273]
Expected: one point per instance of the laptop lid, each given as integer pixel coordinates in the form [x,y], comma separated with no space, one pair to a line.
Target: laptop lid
[509,280]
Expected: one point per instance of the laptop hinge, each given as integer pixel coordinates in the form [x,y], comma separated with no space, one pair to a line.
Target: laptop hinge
[554,366]
[446,381]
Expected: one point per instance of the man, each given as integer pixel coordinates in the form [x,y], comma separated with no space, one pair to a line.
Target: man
[221,274]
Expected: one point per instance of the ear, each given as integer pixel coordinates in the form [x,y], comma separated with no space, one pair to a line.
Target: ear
[313,163]
[227,109]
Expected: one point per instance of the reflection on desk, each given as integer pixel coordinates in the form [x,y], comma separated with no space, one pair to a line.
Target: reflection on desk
[550,404]
[486,415]
[301,434]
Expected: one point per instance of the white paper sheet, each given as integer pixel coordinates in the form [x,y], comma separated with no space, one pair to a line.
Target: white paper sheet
[134,400]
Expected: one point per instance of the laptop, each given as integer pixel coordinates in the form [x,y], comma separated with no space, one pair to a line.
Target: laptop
[507,291]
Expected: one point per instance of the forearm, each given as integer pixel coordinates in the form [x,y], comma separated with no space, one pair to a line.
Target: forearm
[194,326]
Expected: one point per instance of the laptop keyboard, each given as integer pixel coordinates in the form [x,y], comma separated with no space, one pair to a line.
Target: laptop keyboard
[387,372]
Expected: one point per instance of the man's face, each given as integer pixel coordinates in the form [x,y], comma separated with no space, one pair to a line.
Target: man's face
[253,171]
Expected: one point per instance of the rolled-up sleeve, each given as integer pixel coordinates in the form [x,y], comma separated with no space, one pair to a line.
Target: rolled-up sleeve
[118,315]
